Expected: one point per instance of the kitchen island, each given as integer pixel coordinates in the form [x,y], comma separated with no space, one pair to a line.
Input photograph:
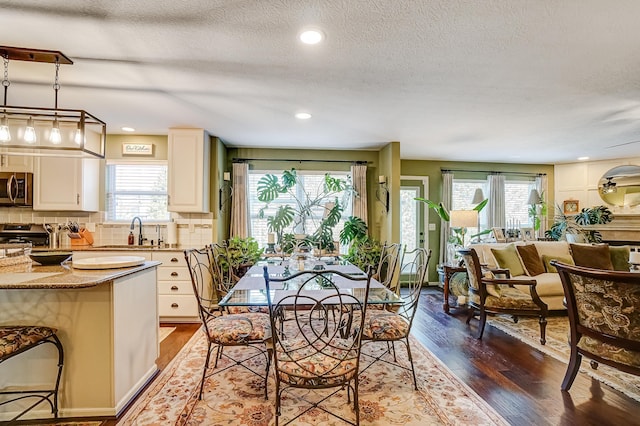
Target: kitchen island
[107,321]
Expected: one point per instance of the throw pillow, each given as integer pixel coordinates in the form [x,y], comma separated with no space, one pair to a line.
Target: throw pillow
[547,258]
[508,258]
[592,256]
[620,257]
[531,260]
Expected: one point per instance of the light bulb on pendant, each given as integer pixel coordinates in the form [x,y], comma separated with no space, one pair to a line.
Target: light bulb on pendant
[30,132]
[5,134]
[54,136]
[78,138]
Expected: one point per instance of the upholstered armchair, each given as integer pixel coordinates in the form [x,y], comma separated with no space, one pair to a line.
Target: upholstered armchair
[604,318]
[488,294]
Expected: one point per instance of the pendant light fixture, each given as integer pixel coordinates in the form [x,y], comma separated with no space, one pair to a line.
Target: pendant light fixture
[37,131]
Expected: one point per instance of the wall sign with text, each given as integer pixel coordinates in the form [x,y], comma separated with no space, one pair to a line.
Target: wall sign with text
[137,149]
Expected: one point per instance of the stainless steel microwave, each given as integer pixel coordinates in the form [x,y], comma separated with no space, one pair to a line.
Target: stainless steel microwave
[16,189]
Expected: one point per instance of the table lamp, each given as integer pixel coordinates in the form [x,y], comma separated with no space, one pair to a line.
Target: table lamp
[463,219]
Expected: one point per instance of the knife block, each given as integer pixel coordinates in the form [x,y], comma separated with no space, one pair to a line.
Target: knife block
[82,238]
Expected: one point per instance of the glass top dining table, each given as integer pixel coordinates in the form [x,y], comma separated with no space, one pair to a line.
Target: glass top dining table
[250,290]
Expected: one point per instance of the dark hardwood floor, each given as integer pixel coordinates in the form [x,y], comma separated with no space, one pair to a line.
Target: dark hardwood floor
[521,383]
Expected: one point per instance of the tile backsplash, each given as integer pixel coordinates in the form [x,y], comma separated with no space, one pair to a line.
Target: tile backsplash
[194,229]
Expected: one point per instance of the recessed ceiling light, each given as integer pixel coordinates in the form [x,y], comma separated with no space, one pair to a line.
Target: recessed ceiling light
[128,129]
[303,115]
[582,158]
[311,36]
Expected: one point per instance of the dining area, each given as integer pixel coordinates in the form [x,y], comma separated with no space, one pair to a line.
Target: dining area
[306,328]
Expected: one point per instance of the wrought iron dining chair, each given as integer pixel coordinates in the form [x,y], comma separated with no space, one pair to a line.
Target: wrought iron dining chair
[488,294]
[251,330]
[387,269]
[16,340]
[391,327]
[317,347]
[604,318]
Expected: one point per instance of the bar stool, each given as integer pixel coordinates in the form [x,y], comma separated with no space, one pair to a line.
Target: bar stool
[18,339]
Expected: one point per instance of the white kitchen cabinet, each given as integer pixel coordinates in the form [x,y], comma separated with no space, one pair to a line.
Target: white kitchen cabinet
[189,162]
[176,301]
[68,184]
[16,163]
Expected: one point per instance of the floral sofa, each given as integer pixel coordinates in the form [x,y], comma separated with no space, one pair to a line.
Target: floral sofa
[527,260]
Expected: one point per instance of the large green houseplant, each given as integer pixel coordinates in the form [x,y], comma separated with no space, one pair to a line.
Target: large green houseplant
[241,254]
[309,213]
[576,224]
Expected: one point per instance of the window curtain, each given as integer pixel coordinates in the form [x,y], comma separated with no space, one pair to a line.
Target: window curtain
[447,189]
[359,179]
[239,201]
[496,204]
[542,187]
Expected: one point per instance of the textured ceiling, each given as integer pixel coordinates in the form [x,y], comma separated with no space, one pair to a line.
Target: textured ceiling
[540,81]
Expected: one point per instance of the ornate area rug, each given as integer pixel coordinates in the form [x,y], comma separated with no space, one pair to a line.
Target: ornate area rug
[528,331]
[236,397]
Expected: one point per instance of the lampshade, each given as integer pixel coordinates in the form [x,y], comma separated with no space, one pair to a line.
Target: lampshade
[534,197]
[463,218]
[478,196]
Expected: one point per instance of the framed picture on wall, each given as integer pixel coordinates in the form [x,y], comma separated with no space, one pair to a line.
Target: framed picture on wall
[498,234]
[527,234]
[570,207]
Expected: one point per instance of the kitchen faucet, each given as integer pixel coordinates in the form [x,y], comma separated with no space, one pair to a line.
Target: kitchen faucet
[133,225]
[160,240]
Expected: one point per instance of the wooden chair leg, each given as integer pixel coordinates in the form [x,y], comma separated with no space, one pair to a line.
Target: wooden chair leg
[543,329]
[572,369]
[482,323]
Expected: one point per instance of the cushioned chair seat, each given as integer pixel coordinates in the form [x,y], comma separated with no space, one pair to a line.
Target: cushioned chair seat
[511,298]
[239,328]
[384,326]
[16,338]
[609,352]
[303,365]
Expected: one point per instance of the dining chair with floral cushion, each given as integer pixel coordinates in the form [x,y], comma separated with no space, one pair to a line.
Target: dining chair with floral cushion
[16,340]
[317,333]
[251,330]
[488,294]
[604,318]
[387,269]
[391,327]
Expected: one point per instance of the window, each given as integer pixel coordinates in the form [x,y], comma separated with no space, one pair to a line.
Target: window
[462,199]
[311,181]
[516,195]
[137,189]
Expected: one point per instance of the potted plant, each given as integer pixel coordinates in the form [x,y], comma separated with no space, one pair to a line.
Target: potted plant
[574,225]
[310,213]
[241,254]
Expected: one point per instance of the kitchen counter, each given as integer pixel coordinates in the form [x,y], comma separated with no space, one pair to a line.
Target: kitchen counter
[123,247]
[64,276]
[107,321]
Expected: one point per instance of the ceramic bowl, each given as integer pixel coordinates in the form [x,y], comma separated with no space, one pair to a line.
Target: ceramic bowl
[50,257]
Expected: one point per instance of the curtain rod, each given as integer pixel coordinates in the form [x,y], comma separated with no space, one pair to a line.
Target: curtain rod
[494,172]
[245,160]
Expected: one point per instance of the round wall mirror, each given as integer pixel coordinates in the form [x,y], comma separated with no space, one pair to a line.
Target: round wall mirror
[620,186]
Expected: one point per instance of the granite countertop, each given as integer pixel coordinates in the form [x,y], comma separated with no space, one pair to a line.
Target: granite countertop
[111,248]
[31,276]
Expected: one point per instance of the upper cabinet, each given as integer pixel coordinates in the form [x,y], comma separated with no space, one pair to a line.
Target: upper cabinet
[16,163]
[69,184]
[188,155]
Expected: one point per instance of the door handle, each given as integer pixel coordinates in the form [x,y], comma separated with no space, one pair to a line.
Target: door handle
[174,274]
[174,305]
[174,288]
[11,184]
[174,260]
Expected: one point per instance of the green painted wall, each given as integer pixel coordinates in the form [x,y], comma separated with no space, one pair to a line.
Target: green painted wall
[433,169]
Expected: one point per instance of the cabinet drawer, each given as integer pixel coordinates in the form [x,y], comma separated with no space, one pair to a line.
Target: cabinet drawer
[175,287]
[177,306]
[170,258]
[173,274]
